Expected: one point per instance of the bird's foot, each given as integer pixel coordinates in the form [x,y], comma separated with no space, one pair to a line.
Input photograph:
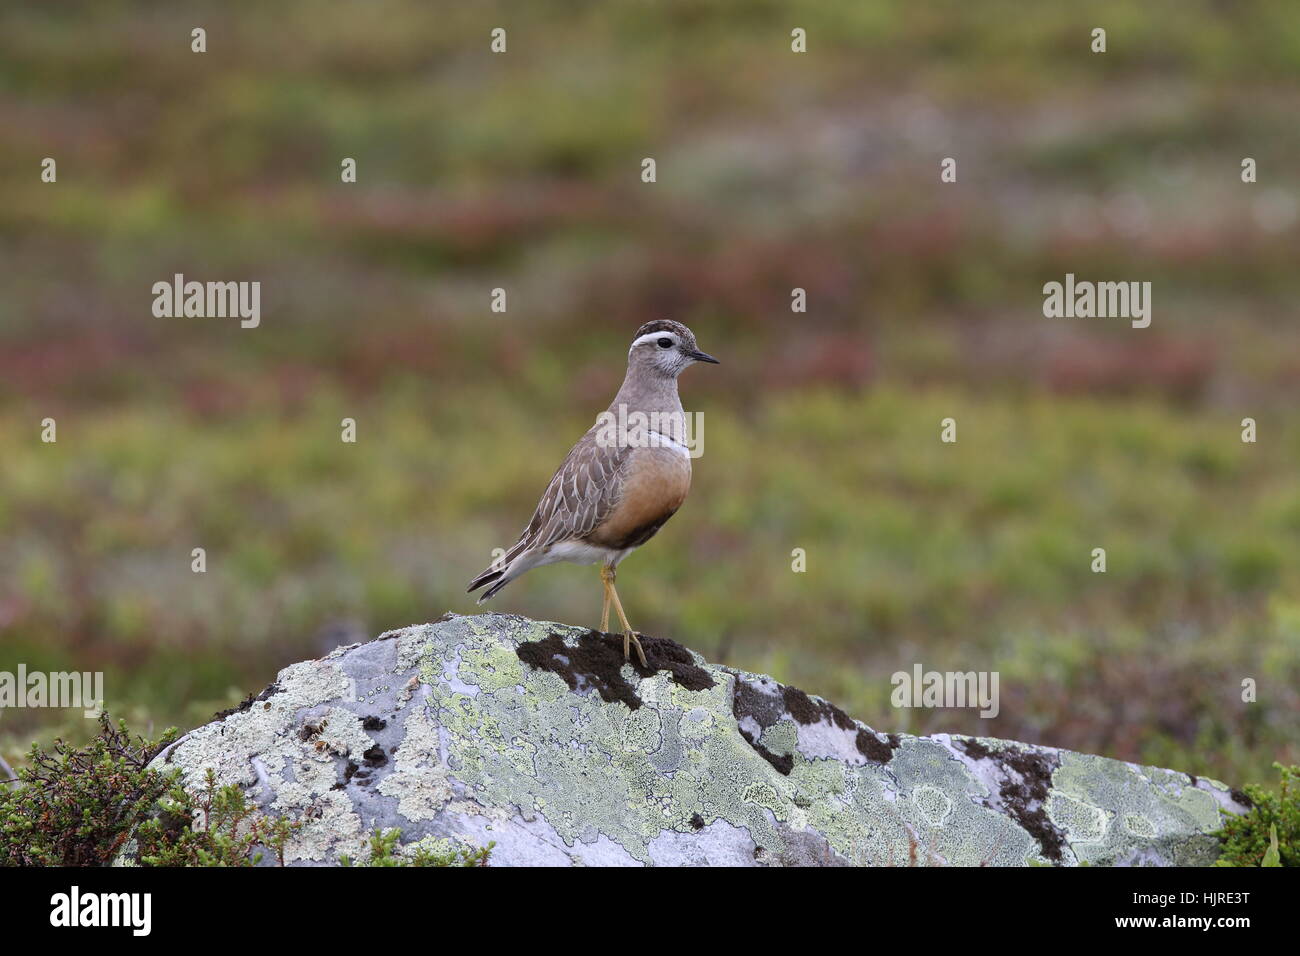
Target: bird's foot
[630,638]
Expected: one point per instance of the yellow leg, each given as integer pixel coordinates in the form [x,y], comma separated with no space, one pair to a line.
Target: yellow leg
[604,608]
[629,636]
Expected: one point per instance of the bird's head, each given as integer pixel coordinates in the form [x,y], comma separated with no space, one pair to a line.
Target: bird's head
[665,348]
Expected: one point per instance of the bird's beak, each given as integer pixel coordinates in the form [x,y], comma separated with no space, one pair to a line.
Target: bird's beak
[702,357]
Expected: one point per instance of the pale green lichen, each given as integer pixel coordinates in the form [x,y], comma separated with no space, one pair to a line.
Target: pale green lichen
[1149,801]
[1082,822]
[419,783]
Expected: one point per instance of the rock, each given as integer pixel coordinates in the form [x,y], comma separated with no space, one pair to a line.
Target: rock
[539,738]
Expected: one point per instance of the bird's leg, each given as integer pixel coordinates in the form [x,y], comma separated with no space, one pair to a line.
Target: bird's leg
[629,635]
[604,608]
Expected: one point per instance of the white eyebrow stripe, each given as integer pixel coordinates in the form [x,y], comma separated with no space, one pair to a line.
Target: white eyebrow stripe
[651,337]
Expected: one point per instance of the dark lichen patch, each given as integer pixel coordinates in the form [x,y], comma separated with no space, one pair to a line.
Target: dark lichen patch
[973,748]
[374,723]
[663,654]
[270,690]
[874,749]
[783,763]
[1242,798]
[750,701]
[697,822]
[1026,778]
[596,661]
[765,710]
[591,664]
[359,775]
[808,711]
[375,756]
[349,771]
[1026,799]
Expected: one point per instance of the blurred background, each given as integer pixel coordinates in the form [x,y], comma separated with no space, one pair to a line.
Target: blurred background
[775,171]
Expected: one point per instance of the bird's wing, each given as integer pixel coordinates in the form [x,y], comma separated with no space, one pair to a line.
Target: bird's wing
[584,490]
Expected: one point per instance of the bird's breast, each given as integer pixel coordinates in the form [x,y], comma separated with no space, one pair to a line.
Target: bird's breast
[655,484]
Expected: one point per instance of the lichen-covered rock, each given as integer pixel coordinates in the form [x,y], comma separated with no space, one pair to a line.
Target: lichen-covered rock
[539,738]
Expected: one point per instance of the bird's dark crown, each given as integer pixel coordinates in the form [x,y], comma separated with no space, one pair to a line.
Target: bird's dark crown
[661,325]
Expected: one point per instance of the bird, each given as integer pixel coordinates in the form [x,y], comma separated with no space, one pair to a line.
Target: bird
[621,482]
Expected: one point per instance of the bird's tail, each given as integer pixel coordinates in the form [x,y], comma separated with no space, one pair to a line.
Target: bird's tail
[500,572]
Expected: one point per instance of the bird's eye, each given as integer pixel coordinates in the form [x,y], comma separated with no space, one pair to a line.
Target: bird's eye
[665,343]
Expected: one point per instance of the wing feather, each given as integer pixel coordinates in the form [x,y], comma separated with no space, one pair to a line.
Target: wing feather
[586,487]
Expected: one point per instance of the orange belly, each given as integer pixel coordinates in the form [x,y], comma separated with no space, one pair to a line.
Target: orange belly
[655,485]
